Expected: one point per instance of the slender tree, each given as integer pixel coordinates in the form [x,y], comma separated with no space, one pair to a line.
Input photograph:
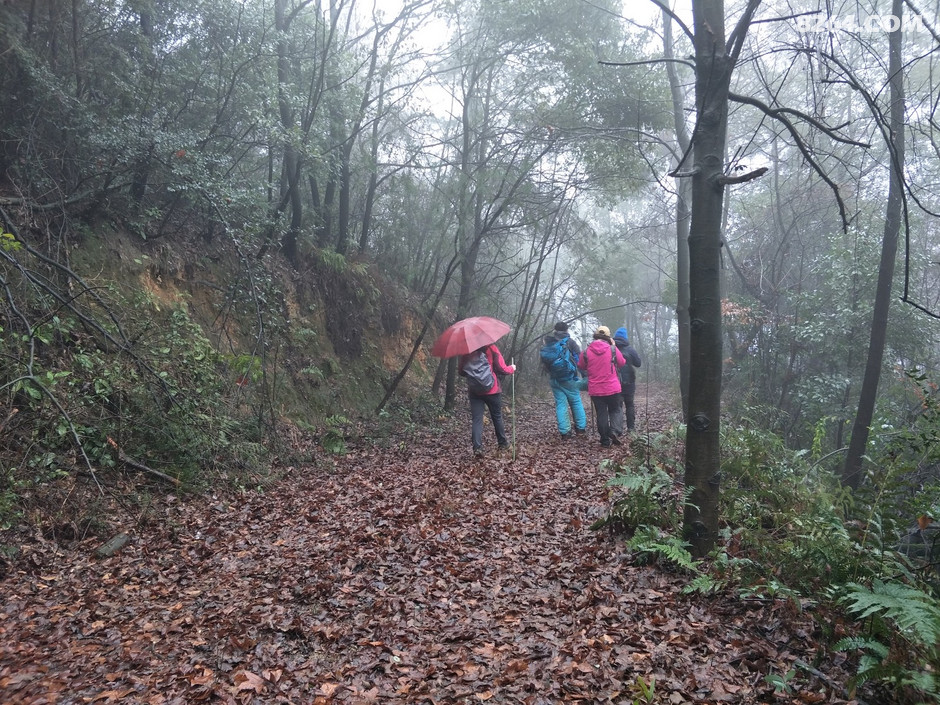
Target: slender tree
[852,471]
[683,214]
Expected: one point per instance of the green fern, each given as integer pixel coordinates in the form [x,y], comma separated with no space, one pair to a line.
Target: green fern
[650,482]
[703,584]
[648,544]
[861,643]
[644,502]
[916,614]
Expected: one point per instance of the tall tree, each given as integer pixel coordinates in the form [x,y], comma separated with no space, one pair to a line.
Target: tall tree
[852,471]
[715,59]
[683,214]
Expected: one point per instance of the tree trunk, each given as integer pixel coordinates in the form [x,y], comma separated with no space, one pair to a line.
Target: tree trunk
[467,237]
[345,192]
[373,177]
[852,471]
[702,468]
[292,161]
[683,197]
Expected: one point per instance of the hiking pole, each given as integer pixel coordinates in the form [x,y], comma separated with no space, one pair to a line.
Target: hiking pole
[512,407]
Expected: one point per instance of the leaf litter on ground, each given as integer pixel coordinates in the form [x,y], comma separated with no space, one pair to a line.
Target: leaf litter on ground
[413,573]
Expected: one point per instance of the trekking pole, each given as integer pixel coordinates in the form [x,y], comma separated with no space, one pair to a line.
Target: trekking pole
[512,408]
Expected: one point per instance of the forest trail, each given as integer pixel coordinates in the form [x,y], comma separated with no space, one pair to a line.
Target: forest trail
[410,574]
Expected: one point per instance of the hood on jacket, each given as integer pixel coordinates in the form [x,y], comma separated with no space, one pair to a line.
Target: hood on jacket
[600,346]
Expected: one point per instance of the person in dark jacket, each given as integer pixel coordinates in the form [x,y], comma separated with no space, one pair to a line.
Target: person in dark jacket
[565,391]
[627,381]
[491,399]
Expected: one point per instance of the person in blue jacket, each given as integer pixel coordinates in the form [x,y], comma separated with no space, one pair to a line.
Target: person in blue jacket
[566,391]
[627,381]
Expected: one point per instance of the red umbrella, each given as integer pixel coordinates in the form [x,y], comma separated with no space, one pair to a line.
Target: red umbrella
[468,335]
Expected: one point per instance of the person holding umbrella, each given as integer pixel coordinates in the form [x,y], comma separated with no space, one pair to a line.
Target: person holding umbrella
[473,340]
[482,397]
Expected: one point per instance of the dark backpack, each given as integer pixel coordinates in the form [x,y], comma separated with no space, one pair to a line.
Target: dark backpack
[626,373]
[559,361]
[479,373]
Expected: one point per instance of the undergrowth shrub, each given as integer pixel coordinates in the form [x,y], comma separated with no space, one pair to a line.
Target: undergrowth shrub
[900,645]
[643,489]
[783,514]
[647,503]
[790,531]
[73,403]
[896,512]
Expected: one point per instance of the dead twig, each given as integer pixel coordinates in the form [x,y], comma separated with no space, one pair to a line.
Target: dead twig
[127,460]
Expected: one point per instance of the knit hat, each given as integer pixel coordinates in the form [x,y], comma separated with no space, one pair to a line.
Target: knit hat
[561,325]
[602,330]
[621,334]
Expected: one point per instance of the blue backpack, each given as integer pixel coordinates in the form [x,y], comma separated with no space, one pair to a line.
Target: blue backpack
[559,361]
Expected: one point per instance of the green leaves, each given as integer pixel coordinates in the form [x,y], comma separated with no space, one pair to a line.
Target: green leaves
[915,612]
[915,617]
[9,243]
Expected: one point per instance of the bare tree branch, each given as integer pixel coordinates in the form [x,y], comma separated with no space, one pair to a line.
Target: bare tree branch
[675,18]
[685,62]
[801,145]
[739,33]
[750,176]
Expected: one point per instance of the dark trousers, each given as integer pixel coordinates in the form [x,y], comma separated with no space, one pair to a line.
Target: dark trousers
[605,408]
[628,392]
[493,402]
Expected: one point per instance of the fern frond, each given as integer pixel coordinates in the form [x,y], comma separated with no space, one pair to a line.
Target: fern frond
[864,644]
[641,482]
[668,548]
[703,585]
[916,613]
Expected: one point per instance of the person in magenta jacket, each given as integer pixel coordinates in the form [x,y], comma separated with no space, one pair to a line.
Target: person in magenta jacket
[492,400]
[601,360]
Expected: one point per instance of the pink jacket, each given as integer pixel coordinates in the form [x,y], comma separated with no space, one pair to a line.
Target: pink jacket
[602,360]
[495,358]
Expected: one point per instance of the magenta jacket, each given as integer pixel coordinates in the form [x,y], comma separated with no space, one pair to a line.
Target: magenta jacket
[602,360]
[495,358]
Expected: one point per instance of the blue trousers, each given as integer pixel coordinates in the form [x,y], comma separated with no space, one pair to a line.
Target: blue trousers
[567,396]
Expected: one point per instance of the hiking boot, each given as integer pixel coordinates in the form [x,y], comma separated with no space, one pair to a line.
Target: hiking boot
[615,439]
[580,431]
[565,436]
[605,444]
[477,452]
[502,448]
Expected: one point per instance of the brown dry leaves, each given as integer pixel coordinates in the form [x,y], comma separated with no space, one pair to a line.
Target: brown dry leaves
[412,575]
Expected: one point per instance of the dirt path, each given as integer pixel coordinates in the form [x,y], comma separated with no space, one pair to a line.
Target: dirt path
[414,574]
